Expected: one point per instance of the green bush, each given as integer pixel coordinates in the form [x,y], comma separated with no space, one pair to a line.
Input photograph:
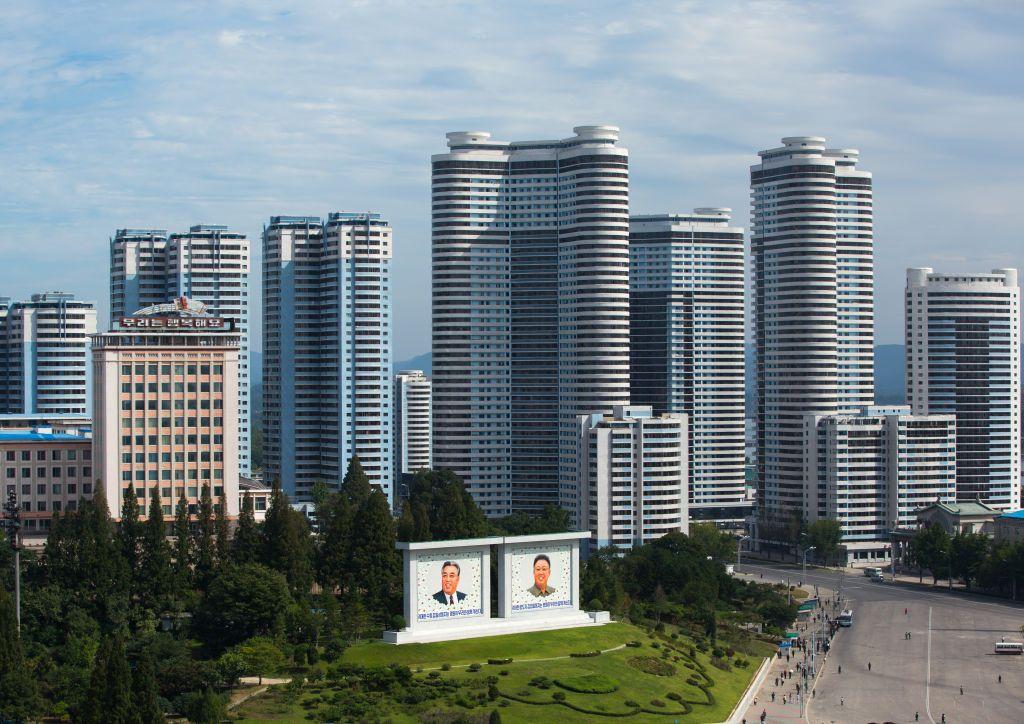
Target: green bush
[656,645]
[652,665]
[584,654]
[503,672]
[589,684]
[630,702]
[446,667]
[658,703]
[674,696]
[473,667]
[498,662]
[558,696]
[633,644]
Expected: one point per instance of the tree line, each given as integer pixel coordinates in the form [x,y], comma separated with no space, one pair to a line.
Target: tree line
[135,620]
[973,558]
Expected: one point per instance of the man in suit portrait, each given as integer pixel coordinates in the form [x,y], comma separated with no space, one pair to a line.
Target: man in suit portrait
[449,595]
[541,573]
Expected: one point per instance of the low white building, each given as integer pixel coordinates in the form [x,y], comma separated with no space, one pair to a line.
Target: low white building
[872,470]
[633,475]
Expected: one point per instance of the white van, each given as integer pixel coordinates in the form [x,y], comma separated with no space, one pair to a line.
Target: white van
[872,572]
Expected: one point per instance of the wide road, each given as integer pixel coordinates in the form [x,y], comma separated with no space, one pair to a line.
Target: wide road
[951,645]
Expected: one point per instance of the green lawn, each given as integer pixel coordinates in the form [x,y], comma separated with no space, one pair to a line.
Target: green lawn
[521,697]
[468,651]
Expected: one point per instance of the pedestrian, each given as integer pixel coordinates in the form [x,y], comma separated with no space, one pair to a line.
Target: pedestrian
[842,701]
[869,669]
[773,697]
[943,719]
[917,716]
[904,612]
[814,693]
[961,689]
[1000,678]
[840,668]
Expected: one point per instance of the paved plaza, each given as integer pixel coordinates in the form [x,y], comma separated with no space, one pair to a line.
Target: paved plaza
[951,643]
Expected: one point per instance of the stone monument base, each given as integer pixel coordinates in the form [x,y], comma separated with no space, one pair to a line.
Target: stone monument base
[497,627]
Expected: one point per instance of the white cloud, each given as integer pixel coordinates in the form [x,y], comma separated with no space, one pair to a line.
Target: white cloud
[116,118]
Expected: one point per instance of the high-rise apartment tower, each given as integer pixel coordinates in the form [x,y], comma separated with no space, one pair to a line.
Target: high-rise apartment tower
[530,308]
[812,251]
[327,349]
[412,422]
[963,358]
[207,263]
[687,346]
[44,354]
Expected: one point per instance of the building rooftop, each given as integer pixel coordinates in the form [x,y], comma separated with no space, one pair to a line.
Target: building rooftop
[1015,514]
[974,507]
[22,436]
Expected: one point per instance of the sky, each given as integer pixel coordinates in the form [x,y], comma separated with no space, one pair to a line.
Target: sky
[168,114]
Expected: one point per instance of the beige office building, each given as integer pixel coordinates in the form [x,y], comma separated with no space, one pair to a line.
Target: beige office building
[166,406]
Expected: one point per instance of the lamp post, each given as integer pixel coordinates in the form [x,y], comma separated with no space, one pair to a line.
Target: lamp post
[806,551]
[12,523]
[739,549]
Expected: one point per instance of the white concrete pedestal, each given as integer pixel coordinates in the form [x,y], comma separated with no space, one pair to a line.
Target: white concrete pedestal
[498,627]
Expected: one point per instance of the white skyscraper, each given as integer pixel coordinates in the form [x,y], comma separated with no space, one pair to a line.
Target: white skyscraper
[44,355]
[871,470]
[327,349]
[530,308]
[963,358]
[412,422]
[632,475]
[687,346]
[812,250]
[209,264]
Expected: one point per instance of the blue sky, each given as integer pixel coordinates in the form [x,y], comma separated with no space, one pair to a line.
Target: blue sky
[169,114]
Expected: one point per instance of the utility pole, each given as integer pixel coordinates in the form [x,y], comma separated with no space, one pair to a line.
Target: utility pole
[803,573]
[12,523]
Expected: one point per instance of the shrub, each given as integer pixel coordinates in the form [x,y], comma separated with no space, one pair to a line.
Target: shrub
[589,684]
[717,652]
[595,604]
[584,654]
[446,667]
[498,662]
[660,628]
[674,696]
[656,645]
[473,667]
[674,636]
[657,702]
[720,663]
[503,672]
[434,675]
[558,696]
[693,652]
[652,665]
[730,652]
[630,702]
[492,692]
[633,644]
[398,622]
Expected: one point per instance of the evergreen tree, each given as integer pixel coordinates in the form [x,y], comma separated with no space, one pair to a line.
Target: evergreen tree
[287,544]
[19,693]
[182,544]
[246,545]
[109,696]
[373,556]
[223,533]
[406,530]
[157,575]
[334,517]
[130,531]
[204,537]
[355,486]
[145,693]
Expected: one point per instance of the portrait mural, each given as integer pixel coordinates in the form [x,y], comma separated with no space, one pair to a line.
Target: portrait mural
[541,577]
[449,586]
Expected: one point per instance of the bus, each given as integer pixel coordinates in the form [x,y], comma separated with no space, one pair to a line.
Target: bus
[1009,647]
[846,617]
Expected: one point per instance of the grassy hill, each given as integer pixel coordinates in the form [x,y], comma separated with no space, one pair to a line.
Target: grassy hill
[637,676]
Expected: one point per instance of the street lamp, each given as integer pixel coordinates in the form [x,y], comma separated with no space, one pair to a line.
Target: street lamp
[739,549]
[806,551]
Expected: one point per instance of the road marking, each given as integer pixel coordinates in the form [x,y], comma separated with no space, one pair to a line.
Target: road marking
[928,672]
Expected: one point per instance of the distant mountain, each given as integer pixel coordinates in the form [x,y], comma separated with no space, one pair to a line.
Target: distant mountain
[419,362]
[888,371]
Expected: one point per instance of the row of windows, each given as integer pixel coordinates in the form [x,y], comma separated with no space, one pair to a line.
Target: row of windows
[165,369]
[26,455]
